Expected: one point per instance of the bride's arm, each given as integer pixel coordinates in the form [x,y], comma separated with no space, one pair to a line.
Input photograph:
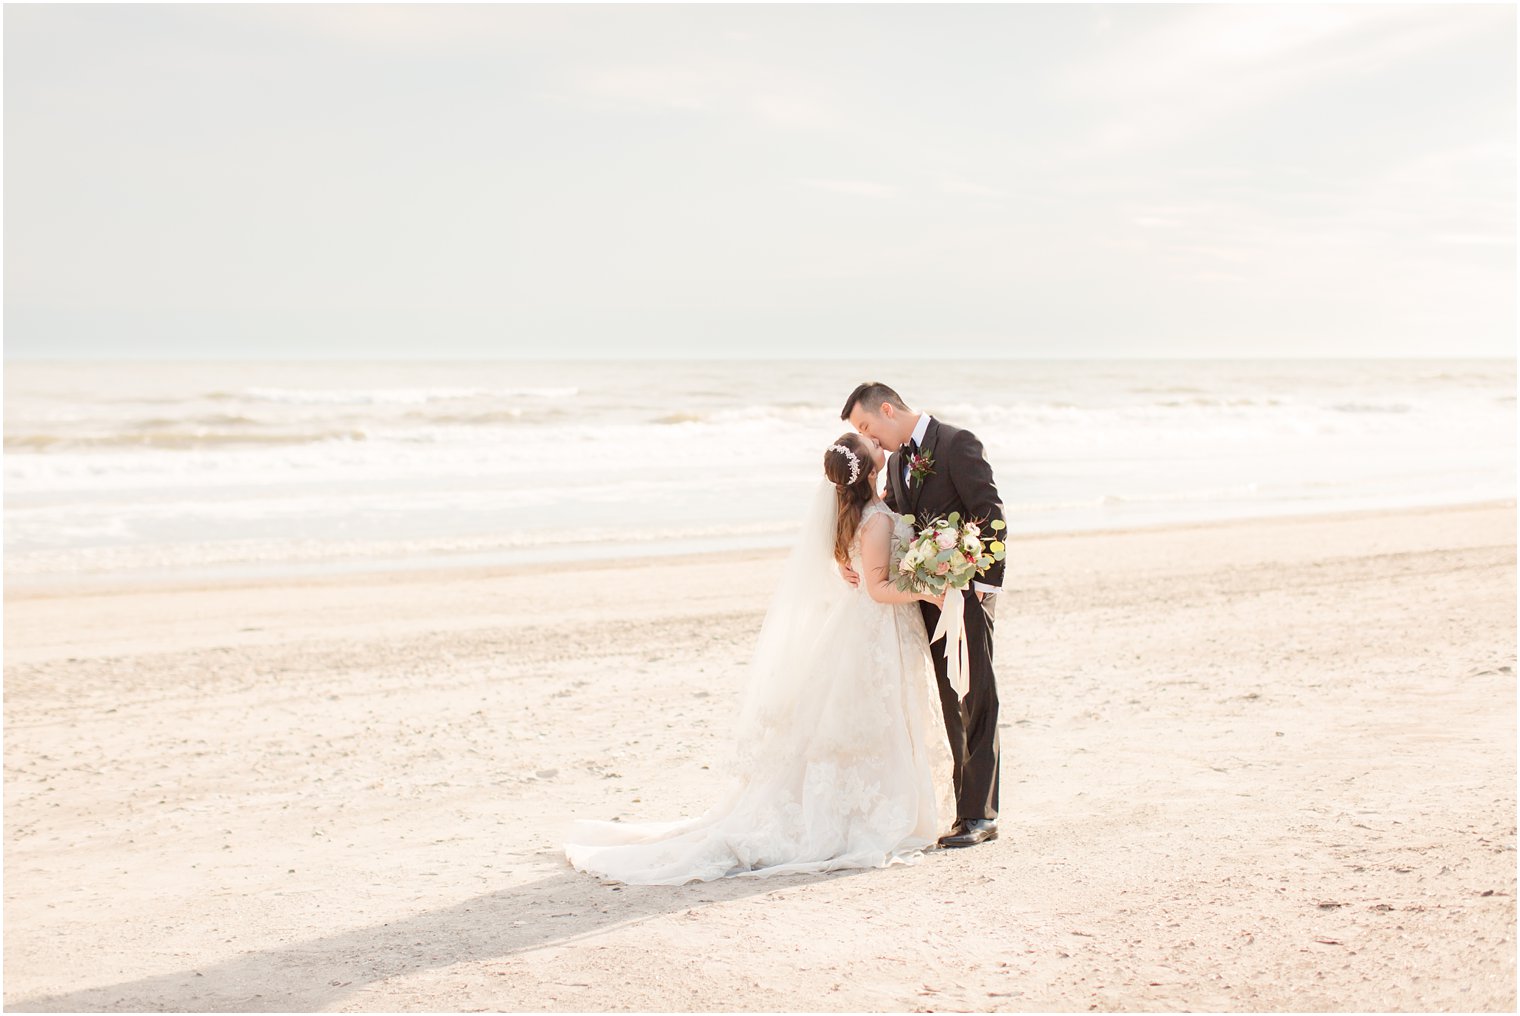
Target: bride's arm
[876,555]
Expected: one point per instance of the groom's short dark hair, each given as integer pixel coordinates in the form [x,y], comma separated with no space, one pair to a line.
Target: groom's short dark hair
[871,394]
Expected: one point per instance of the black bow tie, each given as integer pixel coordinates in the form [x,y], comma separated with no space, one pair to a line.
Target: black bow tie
[910,447]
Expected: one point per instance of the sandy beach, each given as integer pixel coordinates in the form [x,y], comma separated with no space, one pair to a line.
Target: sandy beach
[1246,765]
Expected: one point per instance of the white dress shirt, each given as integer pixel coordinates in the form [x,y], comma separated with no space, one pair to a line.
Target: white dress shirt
[918,439]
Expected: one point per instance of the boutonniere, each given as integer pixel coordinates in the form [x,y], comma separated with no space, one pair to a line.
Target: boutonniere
[920,465]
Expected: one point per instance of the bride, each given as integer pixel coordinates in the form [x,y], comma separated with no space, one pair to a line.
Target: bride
[836,758]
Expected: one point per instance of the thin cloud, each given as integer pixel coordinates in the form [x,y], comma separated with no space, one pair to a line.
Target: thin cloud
[660,87]
[1212,62]
[768,94]
[860,188]
[954,185]
[1477,239]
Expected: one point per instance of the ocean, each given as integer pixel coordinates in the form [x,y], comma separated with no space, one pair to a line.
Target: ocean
[143,471]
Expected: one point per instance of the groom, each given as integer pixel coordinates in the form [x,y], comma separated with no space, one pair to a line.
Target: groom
[935,469]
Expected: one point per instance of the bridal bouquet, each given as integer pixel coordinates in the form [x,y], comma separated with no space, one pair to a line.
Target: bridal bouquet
[946,554]
[943,557]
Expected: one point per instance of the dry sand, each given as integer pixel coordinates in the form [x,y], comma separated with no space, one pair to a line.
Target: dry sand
[1258,765]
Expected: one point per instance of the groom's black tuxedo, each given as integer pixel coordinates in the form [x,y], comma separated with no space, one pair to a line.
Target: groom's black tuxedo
[960,481]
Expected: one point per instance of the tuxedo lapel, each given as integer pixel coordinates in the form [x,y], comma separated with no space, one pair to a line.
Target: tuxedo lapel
[895,478]
[916,487]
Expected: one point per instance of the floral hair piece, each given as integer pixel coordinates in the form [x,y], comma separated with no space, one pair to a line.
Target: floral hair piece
[854,460]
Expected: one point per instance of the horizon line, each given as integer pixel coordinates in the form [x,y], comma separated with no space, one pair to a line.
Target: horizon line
[732,359]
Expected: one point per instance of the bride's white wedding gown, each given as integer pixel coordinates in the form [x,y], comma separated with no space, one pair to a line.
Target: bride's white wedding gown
[836,760]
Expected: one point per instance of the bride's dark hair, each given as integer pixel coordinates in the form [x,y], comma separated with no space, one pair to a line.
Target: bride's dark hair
[852,497]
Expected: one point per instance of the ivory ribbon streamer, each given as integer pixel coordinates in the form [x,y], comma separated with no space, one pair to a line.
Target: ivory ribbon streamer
[952,628]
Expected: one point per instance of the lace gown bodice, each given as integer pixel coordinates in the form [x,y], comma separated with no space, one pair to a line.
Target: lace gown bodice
[900,529]
[846,774]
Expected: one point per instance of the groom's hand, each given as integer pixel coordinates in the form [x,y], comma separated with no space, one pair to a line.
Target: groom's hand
[848,574]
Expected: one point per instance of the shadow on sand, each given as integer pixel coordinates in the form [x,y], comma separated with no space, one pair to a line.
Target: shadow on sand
[315,974]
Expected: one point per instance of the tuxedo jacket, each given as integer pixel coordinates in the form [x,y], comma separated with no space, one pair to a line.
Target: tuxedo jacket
[961,481]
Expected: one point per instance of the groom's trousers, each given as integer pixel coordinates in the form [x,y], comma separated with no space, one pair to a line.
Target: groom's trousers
[972,722]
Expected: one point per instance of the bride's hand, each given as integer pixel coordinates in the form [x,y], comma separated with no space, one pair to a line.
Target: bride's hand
[938,599]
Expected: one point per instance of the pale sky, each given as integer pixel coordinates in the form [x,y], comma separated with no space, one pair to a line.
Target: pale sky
[239,181]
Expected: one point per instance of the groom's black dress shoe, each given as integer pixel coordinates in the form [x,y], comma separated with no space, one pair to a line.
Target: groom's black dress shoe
[968,832]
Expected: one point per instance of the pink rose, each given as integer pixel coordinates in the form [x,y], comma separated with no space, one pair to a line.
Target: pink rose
[945,539]
[943,568]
